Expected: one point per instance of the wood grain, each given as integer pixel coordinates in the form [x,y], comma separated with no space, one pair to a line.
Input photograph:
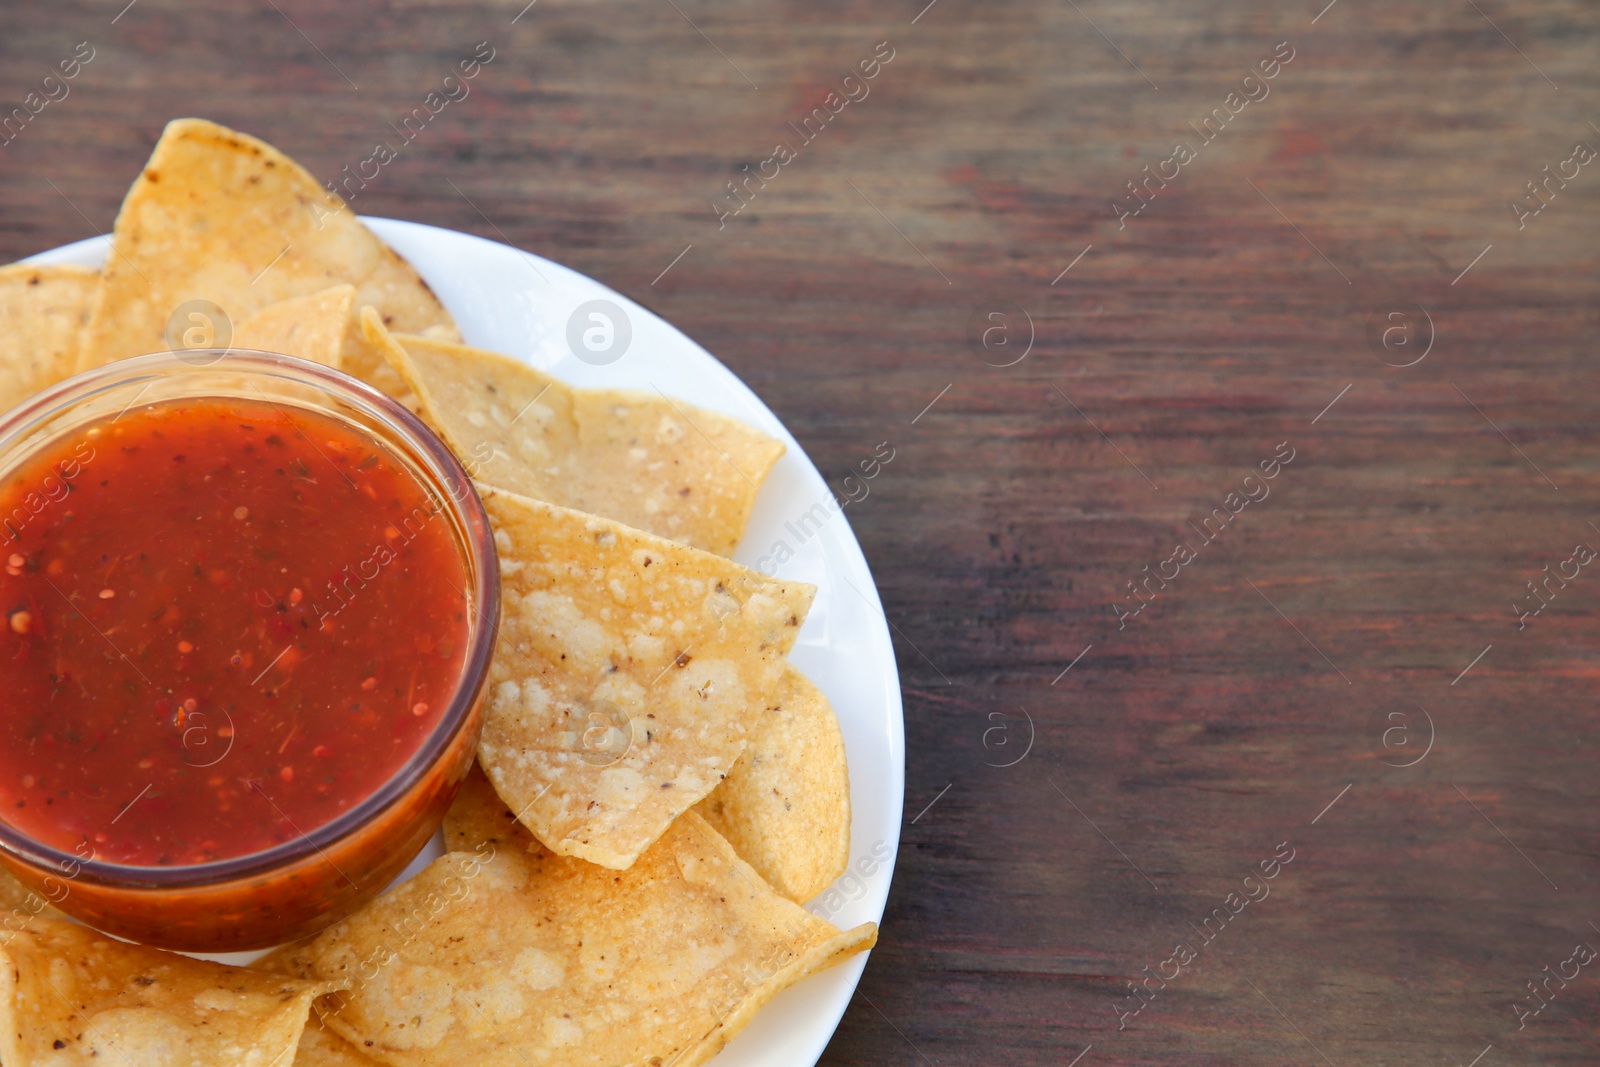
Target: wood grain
[1174,356]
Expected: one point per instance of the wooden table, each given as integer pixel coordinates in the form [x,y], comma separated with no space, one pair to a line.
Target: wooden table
[1336,672]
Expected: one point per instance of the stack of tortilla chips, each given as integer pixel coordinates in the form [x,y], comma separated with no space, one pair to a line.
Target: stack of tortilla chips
[658,788]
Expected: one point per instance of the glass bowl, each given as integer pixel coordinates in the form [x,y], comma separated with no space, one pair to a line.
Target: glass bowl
[292,889]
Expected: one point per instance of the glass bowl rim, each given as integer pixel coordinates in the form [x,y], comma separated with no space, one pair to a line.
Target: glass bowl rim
[476,541]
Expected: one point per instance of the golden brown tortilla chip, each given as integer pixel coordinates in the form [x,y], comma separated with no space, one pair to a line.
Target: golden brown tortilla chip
[644,459]
[366,356]
[19,905]
[13,894]
[627,669]
[320,1047]
[70,996]
[479,815]
[785,806]
[219,216]
[312,327]
[42,312]
[502,958]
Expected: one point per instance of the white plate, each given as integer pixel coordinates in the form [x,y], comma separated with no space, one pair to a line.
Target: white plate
[520,304]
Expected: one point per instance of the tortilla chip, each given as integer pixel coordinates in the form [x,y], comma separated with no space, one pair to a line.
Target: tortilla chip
[502,958]
[68,995]
[366,355]
[20,905]
[644,459]
[321,1047]
[312,327]
[785,806]
[13,894]
[479,815]
[42,312]
[222,217]
[627,669]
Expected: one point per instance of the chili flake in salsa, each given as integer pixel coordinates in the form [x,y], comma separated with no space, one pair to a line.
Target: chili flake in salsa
[226,622]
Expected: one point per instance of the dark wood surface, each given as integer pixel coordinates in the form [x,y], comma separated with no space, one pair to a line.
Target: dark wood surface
[1269,678]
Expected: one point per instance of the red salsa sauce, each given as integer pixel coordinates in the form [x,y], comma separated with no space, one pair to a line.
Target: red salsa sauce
[225,623]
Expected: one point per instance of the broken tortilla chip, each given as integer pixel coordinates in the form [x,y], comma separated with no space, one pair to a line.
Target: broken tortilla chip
[627,669]
[312,327]
[69,995]
[42,312]
[785,806]
[649,461]
[663,963]
[221,220]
